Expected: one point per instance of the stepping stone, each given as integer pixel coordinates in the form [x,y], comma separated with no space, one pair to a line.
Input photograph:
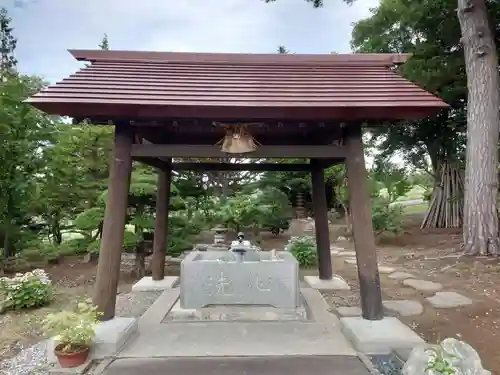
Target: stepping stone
[334,252]
[404,307]
[400,276]
[386,269]
[349,310]
[447,300]
[351,261]
[347,254]
[423,285]
[337,249]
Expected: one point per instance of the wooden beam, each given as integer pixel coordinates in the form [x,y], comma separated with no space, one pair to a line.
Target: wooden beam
[108,269]
[254,167]
[154,162]
[160,243]
[364,239]
[326,163]
[321,221]
[204,151]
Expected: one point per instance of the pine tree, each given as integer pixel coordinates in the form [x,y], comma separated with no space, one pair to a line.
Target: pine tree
[283,50]
[481,174]
[104,43]
[8,44]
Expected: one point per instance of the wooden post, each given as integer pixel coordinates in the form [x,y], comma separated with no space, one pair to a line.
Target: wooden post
[364,239]
[108,268]
[321,221]
[161,224]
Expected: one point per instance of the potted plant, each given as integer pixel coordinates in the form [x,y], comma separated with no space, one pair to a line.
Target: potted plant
[73,331]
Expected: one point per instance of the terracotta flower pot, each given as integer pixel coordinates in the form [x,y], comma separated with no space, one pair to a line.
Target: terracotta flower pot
[73,359]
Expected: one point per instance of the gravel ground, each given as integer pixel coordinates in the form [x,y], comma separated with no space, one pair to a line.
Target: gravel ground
[33,360]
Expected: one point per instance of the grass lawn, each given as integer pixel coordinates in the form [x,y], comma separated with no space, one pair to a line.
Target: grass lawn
[416,209]
[416,192]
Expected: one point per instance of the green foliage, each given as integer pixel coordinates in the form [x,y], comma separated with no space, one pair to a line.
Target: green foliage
[29,290]
[304,250]
[262,208]
[90,219]
[437,64]
[393,179]
[42,252]
[386,217]
[8,44]
[24,131]
[440,361]
[73,329]
[180,233]
[104,45]
[283,50]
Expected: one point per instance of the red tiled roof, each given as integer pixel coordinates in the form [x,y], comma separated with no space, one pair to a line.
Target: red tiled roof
[335,86]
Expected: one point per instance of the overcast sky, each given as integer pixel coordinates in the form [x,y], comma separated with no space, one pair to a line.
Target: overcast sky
[46,29]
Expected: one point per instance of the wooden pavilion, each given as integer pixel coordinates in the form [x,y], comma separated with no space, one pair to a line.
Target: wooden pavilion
[169,105]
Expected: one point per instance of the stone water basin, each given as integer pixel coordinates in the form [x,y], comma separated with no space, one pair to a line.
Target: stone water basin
[223,278]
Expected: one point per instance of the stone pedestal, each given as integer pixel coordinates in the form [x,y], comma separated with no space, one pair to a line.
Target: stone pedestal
[110,338]
[379,336]
[335,283]
[147,284]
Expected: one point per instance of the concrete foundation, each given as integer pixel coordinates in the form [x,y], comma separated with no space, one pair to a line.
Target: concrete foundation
[147,284]
[379,336]
[335,283]
[110,338]
[80,370]
[235,314]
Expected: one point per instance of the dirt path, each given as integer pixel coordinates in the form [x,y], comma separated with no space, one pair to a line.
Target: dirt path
[477,279]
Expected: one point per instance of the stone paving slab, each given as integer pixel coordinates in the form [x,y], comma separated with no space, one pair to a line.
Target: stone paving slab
[446,300]
[404,307]
[213,339]
[386,269]
[423,285]
[399,275]
[348,254]
[290,365]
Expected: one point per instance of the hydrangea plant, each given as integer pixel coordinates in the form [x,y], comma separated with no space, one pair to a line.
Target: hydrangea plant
[73,329]
[29,290]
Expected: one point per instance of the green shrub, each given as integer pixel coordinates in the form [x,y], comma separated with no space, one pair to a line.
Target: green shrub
[386,217]
[304,250]
[32,255]
[29,290]
[75,246]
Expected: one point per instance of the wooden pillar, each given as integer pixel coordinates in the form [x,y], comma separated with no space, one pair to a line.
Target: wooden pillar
[321,221]
[361,215]
[108,268]
[161,224]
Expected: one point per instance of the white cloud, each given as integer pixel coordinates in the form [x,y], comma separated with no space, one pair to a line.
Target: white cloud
[47,28]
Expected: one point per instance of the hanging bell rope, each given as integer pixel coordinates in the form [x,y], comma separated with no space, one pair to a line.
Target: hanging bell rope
[237,140]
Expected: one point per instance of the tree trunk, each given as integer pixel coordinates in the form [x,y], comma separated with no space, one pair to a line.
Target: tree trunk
[7,240]
[481,181]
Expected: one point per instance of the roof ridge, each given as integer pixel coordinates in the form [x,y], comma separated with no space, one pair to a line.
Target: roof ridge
[364,59]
